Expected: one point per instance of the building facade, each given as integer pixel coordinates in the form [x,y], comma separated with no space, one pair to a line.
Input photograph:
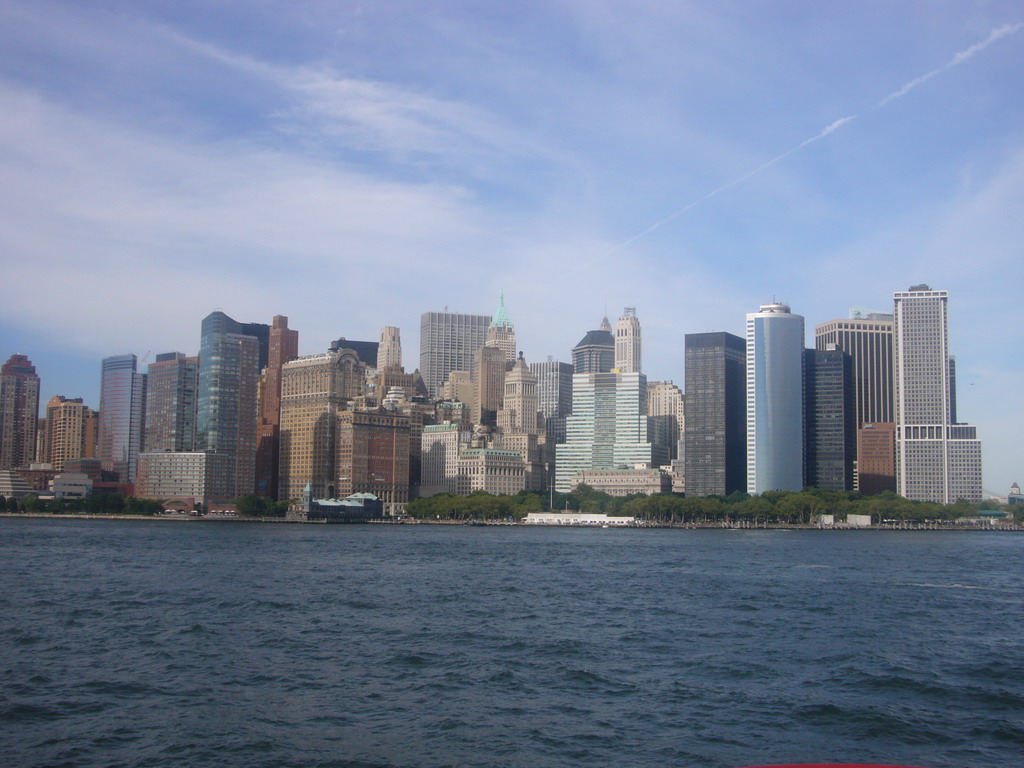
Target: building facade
[229,372]
[172,397]
[607,428]
[595,352]
[666,419]
[19,412]
[830,419]
[554,396]
[715,437]
[628,347]
[282,346]
[775,407]
[188,476]
[70,431]
[389,352]
[936,459]
[501,333]
[447,343]
[122,412]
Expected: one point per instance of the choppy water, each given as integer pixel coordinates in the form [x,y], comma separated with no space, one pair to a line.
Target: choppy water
[196,644]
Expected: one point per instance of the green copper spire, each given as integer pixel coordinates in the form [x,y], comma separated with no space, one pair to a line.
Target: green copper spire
[501,319]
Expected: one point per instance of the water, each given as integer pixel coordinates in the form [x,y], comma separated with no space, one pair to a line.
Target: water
[199,644]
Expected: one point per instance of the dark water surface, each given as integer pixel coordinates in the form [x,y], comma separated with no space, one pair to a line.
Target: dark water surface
[207,644]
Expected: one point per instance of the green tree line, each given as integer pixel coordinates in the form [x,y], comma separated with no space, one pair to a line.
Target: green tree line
[773,507]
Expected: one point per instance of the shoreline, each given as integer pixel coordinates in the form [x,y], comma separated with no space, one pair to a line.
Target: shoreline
[1015,528]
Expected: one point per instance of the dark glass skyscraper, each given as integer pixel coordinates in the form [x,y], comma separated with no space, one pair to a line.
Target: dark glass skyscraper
[830,419]
[596,351]
[715,437]
[229,361]
[122,413]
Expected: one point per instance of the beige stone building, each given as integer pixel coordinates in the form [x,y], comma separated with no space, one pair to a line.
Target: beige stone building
[70,432]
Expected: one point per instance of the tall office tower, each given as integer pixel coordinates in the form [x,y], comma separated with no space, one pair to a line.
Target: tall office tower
[282,346]
[627,342]
[313,390]
[876,458]
[122,412]
[19,412]
[489,365]
[867,339]
[665,420]
[829,418]
[70,432]
[936,459]
[596,351]
[775,403]
[447,343]
[228,396]
[501,333]
[389,352]
[172,391]
[373,456]
[554,396]
[715,438]
[607,428]
[519,408]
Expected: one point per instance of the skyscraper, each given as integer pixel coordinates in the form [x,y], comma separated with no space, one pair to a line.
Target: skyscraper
[489,367]
[829,419]
[19,412]
[665,420]
[627,342]
[282,346]
[554,396]
[389,353]
[447,343]
[936,459]
[867,337]
[596,351]
[122,412]
[229,361]
[172,391]
[716,420]
[607,428]
[775,407]
[70,432]
[501,333]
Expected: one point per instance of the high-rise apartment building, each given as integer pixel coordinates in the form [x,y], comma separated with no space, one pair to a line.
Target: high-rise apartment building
[122,413]
[595,352]
[715,437]
[775,404]
[447,343]
[19,412]
[70,432]
[229,371]
[282,346]
[172,392]
[627,342]
[389,352]
[829,418]
[501,333]
[936,459]
[607,428]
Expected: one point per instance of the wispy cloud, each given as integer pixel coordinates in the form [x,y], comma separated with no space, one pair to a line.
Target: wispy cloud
[959,58]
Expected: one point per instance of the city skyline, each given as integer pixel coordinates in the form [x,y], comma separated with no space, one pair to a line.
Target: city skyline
[420,158]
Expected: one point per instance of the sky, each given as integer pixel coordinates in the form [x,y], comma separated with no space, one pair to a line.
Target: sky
[352,165]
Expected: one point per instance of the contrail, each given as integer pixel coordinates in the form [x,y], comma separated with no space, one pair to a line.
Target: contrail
[959,58]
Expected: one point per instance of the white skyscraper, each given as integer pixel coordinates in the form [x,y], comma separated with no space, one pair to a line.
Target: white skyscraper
[607,428]
[775,410]
[936,460]
[627,342]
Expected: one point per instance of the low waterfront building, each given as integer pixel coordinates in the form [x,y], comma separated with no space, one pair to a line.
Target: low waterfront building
[193,475]
[577,519]
[625,482]
[494,470]
[355,508]
[71,485]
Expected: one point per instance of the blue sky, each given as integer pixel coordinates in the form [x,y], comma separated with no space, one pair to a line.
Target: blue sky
[352,165]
